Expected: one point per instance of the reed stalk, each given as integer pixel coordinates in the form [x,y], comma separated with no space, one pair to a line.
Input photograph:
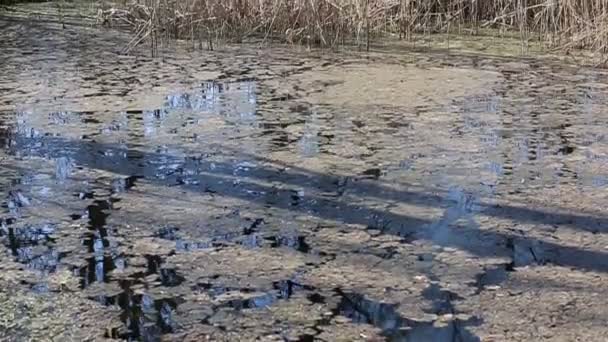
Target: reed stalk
[558,23]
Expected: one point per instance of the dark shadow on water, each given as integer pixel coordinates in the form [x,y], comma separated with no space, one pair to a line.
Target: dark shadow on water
[249,237]
[393,326]
[145,318]
[32,245]
[96,270]
[213,178]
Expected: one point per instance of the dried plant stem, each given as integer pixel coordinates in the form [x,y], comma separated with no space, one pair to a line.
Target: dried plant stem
[559,23]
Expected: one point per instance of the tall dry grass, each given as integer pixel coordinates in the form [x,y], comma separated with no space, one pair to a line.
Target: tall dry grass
[563,23]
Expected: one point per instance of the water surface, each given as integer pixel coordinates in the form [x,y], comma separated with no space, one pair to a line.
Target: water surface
[284,195]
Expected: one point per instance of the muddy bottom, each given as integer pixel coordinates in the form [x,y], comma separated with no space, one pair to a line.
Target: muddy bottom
[276,194]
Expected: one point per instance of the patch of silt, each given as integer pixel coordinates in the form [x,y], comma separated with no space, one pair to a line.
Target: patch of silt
[396,85]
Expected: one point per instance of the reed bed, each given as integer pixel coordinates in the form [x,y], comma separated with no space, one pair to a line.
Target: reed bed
[565,24]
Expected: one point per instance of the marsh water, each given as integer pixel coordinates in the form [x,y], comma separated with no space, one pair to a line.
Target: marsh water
[294,195]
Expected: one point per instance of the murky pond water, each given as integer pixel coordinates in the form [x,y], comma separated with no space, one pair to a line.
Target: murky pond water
[290,195]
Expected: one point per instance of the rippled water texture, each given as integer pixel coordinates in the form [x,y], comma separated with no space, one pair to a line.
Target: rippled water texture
[287,195]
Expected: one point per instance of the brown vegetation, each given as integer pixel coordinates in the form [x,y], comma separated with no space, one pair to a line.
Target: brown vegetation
[563,23]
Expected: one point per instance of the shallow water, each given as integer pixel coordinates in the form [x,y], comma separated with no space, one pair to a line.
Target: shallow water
[287,195]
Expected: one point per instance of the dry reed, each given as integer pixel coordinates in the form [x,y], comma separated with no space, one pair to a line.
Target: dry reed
[559,23]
